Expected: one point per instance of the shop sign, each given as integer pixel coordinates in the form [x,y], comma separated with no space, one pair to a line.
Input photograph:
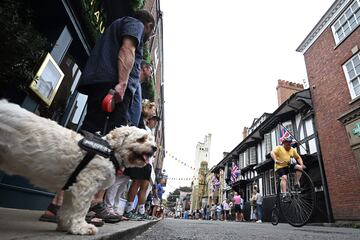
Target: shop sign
[356,130]
[353,132]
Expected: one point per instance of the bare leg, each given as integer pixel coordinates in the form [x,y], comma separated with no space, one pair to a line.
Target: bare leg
[283,183]
[133,190]
[142,192]
[298,174]
[98,197]
[57,201]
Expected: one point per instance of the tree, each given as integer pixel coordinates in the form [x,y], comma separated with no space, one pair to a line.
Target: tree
[171,199]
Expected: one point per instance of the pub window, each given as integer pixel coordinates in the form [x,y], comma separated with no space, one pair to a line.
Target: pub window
[267,138]
[347,22]
[352,73]
[252,157]
[272,182]
[267,184]
[247,157]
[241,160]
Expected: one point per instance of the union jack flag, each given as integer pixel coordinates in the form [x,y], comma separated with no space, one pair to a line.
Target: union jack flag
[284,133]
[235,172]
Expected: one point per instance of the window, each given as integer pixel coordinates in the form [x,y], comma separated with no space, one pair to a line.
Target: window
[241,160]
[269,183]
[247,157]
[272,181]
[252,155]
[347,22]
[352,73]
[267,138]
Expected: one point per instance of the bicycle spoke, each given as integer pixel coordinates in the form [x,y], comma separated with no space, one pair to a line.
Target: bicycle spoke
[300,205]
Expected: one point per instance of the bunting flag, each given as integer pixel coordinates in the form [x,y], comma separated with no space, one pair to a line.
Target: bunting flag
[179,161]
[182,179]
[235,172]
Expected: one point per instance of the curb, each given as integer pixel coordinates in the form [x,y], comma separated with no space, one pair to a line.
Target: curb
[129,233]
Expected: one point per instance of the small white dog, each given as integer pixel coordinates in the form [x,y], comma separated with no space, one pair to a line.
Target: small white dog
[47,154]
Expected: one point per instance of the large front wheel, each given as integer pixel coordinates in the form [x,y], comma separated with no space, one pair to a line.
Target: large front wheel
[298,203]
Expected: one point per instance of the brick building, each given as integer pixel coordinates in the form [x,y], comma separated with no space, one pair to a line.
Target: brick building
[332,58]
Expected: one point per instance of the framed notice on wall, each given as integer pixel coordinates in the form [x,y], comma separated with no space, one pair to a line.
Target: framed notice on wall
[47,80]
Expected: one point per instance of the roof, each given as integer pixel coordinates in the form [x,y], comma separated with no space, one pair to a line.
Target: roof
[323,23]
[290,107]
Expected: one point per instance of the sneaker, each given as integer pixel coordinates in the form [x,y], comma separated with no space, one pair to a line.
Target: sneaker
[101,211]
[133,216]
[258,221]
[146,217]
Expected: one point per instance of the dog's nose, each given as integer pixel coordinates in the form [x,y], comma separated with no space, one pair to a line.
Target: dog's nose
[154,148]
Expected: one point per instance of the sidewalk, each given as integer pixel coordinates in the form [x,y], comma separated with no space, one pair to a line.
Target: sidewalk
[24,224]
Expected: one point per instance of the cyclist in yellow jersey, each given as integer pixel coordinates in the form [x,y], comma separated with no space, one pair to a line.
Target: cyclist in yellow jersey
[282,157]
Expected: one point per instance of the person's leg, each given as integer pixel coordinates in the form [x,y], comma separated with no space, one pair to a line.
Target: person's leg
[95,117]
[131,195]
[135,108]
[283,182]
[143,184]
[298,174]
[50,214]
[154,210]
[121,195]
[119,117]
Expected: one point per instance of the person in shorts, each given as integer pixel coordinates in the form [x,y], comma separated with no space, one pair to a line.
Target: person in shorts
[282,156]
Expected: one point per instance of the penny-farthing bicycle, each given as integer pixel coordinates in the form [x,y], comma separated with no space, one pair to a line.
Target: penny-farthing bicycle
[298,202]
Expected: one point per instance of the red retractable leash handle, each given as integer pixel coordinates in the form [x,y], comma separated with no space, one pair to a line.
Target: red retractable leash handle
[108,103]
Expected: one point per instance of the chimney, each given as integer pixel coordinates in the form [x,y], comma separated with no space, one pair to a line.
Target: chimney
[245,132]
[285,89]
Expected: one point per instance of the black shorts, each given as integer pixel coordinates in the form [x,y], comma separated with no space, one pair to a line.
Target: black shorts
[285,170]
[96,118]
[143,173]
[238,208]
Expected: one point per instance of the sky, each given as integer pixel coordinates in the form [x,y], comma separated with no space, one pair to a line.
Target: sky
[222,61]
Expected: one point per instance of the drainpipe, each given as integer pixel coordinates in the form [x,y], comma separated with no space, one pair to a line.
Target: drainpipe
[323,180]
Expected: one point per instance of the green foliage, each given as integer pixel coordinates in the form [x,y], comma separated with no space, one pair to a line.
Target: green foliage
[138,4]
[149,89]
[92,16]
[146,53]
[21,46]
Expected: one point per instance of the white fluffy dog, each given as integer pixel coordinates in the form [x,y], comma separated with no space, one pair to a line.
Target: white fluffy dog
[47,154]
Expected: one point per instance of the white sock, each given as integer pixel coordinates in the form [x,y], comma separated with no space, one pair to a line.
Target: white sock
[129,207]
[142,208]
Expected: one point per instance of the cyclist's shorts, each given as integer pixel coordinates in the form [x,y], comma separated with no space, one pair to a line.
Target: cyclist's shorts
[285,170]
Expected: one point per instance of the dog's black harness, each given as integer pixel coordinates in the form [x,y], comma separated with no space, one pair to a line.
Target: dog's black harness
[93,144]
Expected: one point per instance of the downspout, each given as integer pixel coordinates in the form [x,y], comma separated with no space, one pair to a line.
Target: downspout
[330,217]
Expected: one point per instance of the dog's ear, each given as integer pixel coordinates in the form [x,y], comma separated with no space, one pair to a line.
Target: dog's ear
[116,137]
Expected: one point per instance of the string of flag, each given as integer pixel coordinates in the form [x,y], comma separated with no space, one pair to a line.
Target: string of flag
[179,161]
[182,179]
